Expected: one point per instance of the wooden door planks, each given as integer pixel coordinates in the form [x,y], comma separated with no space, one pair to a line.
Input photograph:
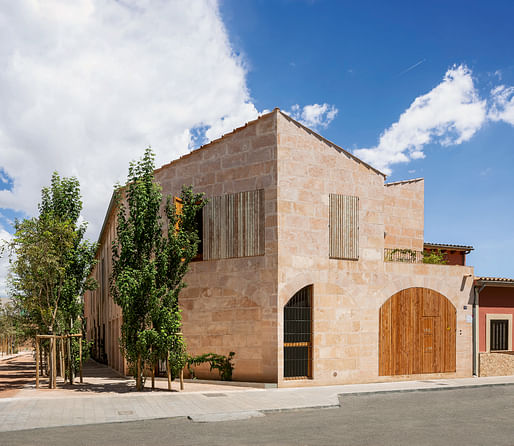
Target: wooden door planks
[417,333]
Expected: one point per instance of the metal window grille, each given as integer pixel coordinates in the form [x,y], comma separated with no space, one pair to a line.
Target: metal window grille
[499,335]
[298,335]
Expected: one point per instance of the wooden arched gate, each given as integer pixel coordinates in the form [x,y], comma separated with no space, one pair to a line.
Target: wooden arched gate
[417,333]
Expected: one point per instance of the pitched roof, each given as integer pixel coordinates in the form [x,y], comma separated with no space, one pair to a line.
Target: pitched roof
[214,141]
[237,130]
[449,246]
[285,115]
[330,143]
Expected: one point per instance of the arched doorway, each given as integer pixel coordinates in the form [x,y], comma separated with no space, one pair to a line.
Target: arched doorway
[298,335]
[417,333]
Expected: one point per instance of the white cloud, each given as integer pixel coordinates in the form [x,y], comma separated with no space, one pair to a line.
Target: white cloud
[5,237]
[451,113]
[315,116]
[502,107]
[87,85]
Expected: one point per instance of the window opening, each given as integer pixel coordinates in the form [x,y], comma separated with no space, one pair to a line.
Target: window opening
[499,334]
[298,335]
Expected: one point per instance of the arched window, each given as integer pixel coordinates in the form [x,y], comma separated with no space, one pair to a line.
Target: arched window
[298,335]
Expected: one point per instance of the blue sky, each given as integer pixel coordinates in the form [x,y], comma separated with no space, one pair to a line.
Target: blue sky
[371,59]
[418,89]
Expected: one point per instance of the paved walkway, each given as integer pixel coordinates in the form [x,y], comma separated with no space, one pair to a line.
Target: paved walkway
[34,409]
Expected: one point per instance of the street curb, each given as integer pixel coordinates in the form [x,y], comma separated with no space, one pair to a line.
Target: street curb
[423,389]
[300,408]
[217,417]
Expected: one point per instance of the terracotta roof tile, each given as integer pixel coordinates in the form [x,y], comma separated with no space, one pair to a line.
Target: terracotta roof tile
[448,246]
[494,279]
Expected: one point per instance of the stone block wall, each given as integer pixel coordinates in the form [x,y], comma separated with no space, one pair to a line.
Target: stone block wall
[237,304]
[496,364]
[347,294]
[229,304]
[404,215]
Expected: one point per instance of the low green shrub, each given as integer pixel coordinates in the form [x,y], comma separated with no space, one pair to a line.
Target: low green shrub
[221,363]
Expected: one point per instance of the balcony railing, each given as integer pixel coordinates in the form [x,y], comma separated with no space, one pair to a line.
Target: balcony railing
[403,255]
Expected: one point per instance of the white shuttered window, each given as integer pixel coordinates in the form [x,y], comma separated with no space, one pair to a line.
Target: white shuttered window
[233,226]
[344,227]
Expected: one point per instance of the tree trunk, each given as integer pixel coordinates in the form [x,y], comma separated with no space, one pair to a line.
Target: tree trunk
[168,371]
[138,377]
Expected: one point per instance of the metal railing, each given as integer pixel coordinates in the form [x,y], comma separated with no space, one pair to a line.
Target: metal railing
[403,255]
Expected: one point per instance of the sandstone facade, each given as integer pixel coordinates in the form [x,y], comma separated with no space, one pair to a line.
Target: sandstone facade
[237,304]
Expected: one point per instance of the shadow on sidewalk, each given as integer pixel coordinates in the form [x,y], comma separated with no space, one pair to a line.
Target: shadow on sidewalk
[19,374]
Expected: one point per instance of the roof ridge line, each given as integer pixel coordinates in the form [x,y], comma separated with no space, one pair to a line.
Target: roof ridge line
[330,143]
[207,144]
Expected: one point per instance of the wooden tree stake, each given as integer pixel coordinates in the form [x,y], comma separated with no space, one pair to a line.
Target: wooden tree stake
[80,360]
[37,362]
[54,362]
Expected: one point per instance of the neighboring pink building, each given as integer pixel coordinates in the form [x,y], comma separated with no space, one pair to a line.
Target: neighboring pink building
[299,274]
[494,298]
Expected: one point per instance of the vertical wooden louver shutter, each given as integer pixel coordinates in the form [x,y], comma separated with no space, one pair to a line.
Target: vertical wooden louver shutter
[233,225]
[178,208]
[344,227]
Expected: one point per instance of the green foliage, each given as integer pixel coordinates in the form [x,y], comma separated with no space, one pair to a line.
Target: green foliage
[11,325]
[51,262]
[38,270]
[149,264]
[219,362]
[87,347]
[411,256]
[434,257]
[402,255]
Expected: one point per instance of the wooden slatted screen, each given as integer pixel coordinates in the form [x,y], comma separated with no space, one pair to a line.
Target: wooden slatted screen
[344,227]
[233,226]
[178,208]
[417,329]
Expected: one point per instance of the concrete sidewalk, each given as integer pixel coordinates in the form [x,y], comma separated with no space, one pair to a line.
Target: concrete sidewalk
[38,412]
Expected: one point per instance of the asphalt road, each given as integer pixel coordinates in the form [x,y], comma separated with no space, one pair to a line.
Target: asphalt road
[477,416]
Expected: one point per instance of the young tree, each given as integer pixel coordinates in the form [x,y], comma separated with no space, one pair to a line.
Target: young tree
[177,248]
[11,331]
[149,266]
[50,262]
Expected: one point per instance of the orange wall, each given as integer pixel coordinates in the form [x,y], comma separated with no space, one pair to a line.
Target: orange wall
[451,257]
[495,300]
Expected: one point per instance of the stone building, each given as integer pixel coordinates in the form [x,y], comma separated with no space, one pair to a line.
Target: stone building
[494,308]
[311,266]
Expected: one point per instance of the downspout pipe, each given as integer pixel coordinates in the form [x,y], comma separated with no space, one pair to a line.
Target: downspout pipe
[476,326]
